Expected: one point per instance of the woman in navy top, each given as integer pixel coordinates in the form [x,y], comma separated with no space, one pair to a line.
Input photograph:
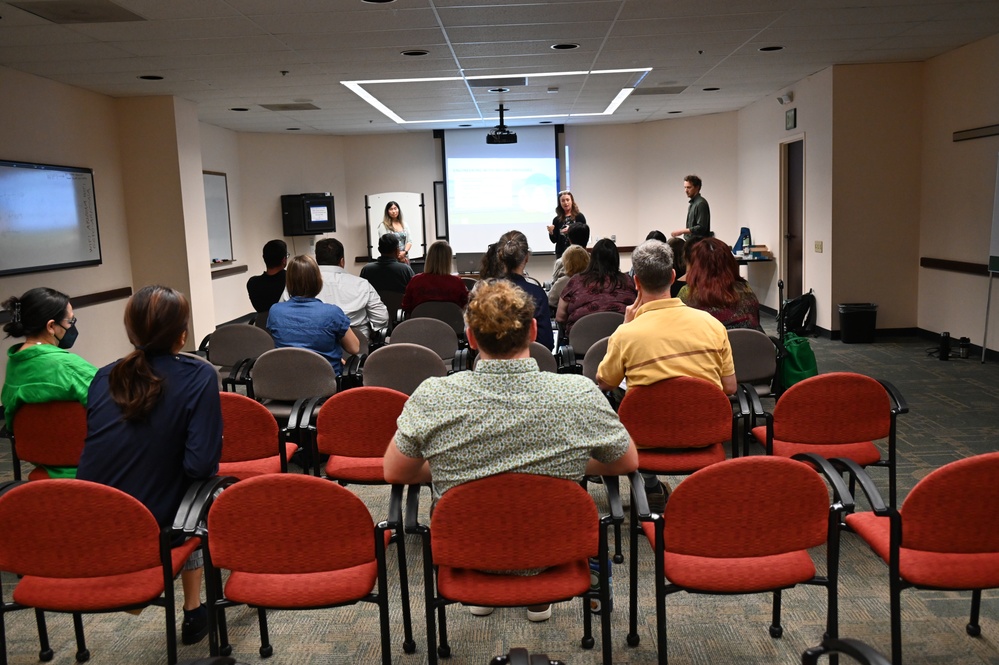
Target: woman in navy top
[508,259]
[306,322]
[154,424]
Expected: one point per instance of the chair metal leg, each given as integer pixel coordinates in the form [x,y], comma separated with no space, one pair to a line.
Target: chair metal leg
[82,652]
[776,630]
[45,652]
[633,637]
[408,643]
[266,648]
[443,649]
[976,601]
[587,641]
[429,596]
[895,591]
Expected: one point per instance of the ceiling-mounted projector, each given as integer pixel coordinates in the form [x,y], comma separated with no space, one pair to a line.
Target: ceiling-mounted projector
[501,134]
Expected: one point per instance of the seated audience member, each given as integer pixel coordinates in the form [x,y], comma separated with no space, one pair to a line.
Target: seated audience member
[308,323]
[507,259]
[387,273]
[41,369]
[154,425]
[573,261]
[661,338]
[355,296]
[578,234]
[679,247]
[266,289]
[714,285]
[498,418]
[435,283]
[602,287]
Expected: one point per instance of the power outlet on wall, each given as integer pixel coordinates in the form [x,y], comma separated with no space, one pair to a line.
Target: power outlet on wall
[818,246]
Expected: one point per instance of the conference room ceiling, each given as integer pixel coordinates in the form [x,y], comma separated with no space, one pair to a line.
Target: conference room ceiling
[337,66]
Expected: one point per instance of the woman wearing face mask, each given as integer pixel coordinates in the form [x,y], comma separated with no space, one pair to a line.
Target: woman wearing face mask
[41,369]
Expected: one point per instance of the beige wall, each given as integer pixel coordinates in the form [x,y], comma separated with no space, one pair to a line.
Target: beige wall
[958,188]
[52,123]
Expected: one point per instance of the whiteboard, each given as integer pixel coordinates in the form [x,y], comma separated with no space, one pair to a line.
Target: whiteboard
[411,207]
[217,212]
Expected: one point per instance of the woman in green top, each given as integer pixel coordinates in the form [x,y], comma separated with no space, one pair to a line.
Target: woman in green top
[41,369]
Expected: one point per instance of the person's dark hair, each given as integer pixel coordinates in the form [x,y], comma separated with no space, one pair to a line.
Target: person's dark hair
[578,234]
[574,210]
[386,220]
[679,247]
[31,313]
[275,251]
[438,258]
[304,279]
[155,319]
[656,235]
[693,180]
[504,256]
[329,252]
[388,245]
[500,314]
[712,273]
[653,264]
[604,270]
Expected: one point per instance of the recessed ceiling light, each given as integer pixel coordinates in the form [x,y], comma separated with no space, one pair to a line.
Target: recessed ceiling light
[464,125]
[239,108]
[293,129]
[499,89]
[564,47]
[416,52]
[674,112]
[768,49]
[150,77]
[711,89]
[377,2]
[545,122]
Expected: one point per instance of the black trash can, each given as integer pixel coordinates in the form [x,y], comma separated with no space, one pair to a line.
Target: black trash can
[857,322]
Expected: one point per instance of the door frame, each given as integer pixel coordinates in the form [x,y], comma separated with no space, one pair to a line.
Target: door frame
[783,255]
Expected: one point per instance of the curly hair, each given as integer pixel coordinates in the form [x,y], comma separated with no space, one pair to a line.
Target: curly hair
[712,274]
[499,314]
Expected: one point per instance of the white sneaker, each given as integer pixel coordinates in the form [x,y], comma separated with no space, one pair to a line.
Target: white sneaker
[543,615]
[479,611]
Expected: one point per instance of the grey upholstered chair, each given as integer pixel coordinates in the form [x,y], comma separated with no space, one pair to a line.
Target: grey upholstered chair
[429,332]
[402,366]
[585,332]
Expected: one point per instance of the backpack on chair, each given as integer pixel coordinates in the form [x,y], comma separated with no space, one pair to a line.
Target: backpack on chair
[797,316]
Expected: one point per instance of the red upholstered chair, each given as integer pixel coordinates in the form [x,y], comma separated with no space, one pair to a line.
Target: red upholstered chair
[330,555]
[355,428]
[839,414]
[49,434]
[251,444]
[527,516]
[943,536]
[713,539]
[118,557]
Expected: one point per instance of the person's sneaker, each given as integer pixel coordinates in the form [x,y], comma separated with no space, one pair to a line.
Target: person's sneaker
[539,613]
[657,498]
[479,611]
[195,625]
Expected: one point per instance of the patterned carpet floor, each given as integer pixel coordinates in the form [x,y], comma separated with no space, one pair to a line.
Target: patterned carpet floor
[952,415]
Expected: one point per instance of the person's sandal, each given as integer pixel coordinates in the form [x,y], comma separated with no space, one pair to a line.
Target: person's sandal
[479,611]
[542,613]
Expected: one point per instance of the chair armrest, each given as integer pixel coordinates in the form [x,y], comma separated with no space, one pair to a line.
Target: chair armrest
[412,525]
[744,393]
[461,361]
[203,347]
[866,484]
[855,649]
[899,405]
[840,490]
[565,358]
[193,509]
[395,506]
[8,485]
[612,485]
[639,502]
[754,402]
[377,338]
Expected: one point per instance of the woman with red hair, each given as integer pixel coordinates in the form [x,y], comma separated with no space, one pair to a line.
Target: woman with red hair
[715,286]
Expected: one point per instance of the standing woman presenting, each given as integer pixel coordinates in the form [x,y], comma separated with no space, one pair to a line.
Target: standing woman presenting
[392,223]
[566,213]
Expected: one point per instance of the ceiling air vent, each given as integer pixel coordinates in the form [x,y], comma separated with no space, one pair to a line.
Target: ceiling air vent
[290,107]
[664,90]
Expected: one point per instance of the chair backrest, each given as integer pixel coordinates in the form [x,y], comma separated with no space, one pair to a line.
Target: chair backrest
[523,511]
[429,332]
[42,521]
[50,433]
[595,354]
[359,422]
[591,328]
[249,430]
[946,511]
[469,282]
[754,354]
[402,367]
[230,344]
[448,312]
[260,320]
[289,373]
[684,412]
[251,531]
[840,407]
[393,302]
[708,514]
[542,354]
